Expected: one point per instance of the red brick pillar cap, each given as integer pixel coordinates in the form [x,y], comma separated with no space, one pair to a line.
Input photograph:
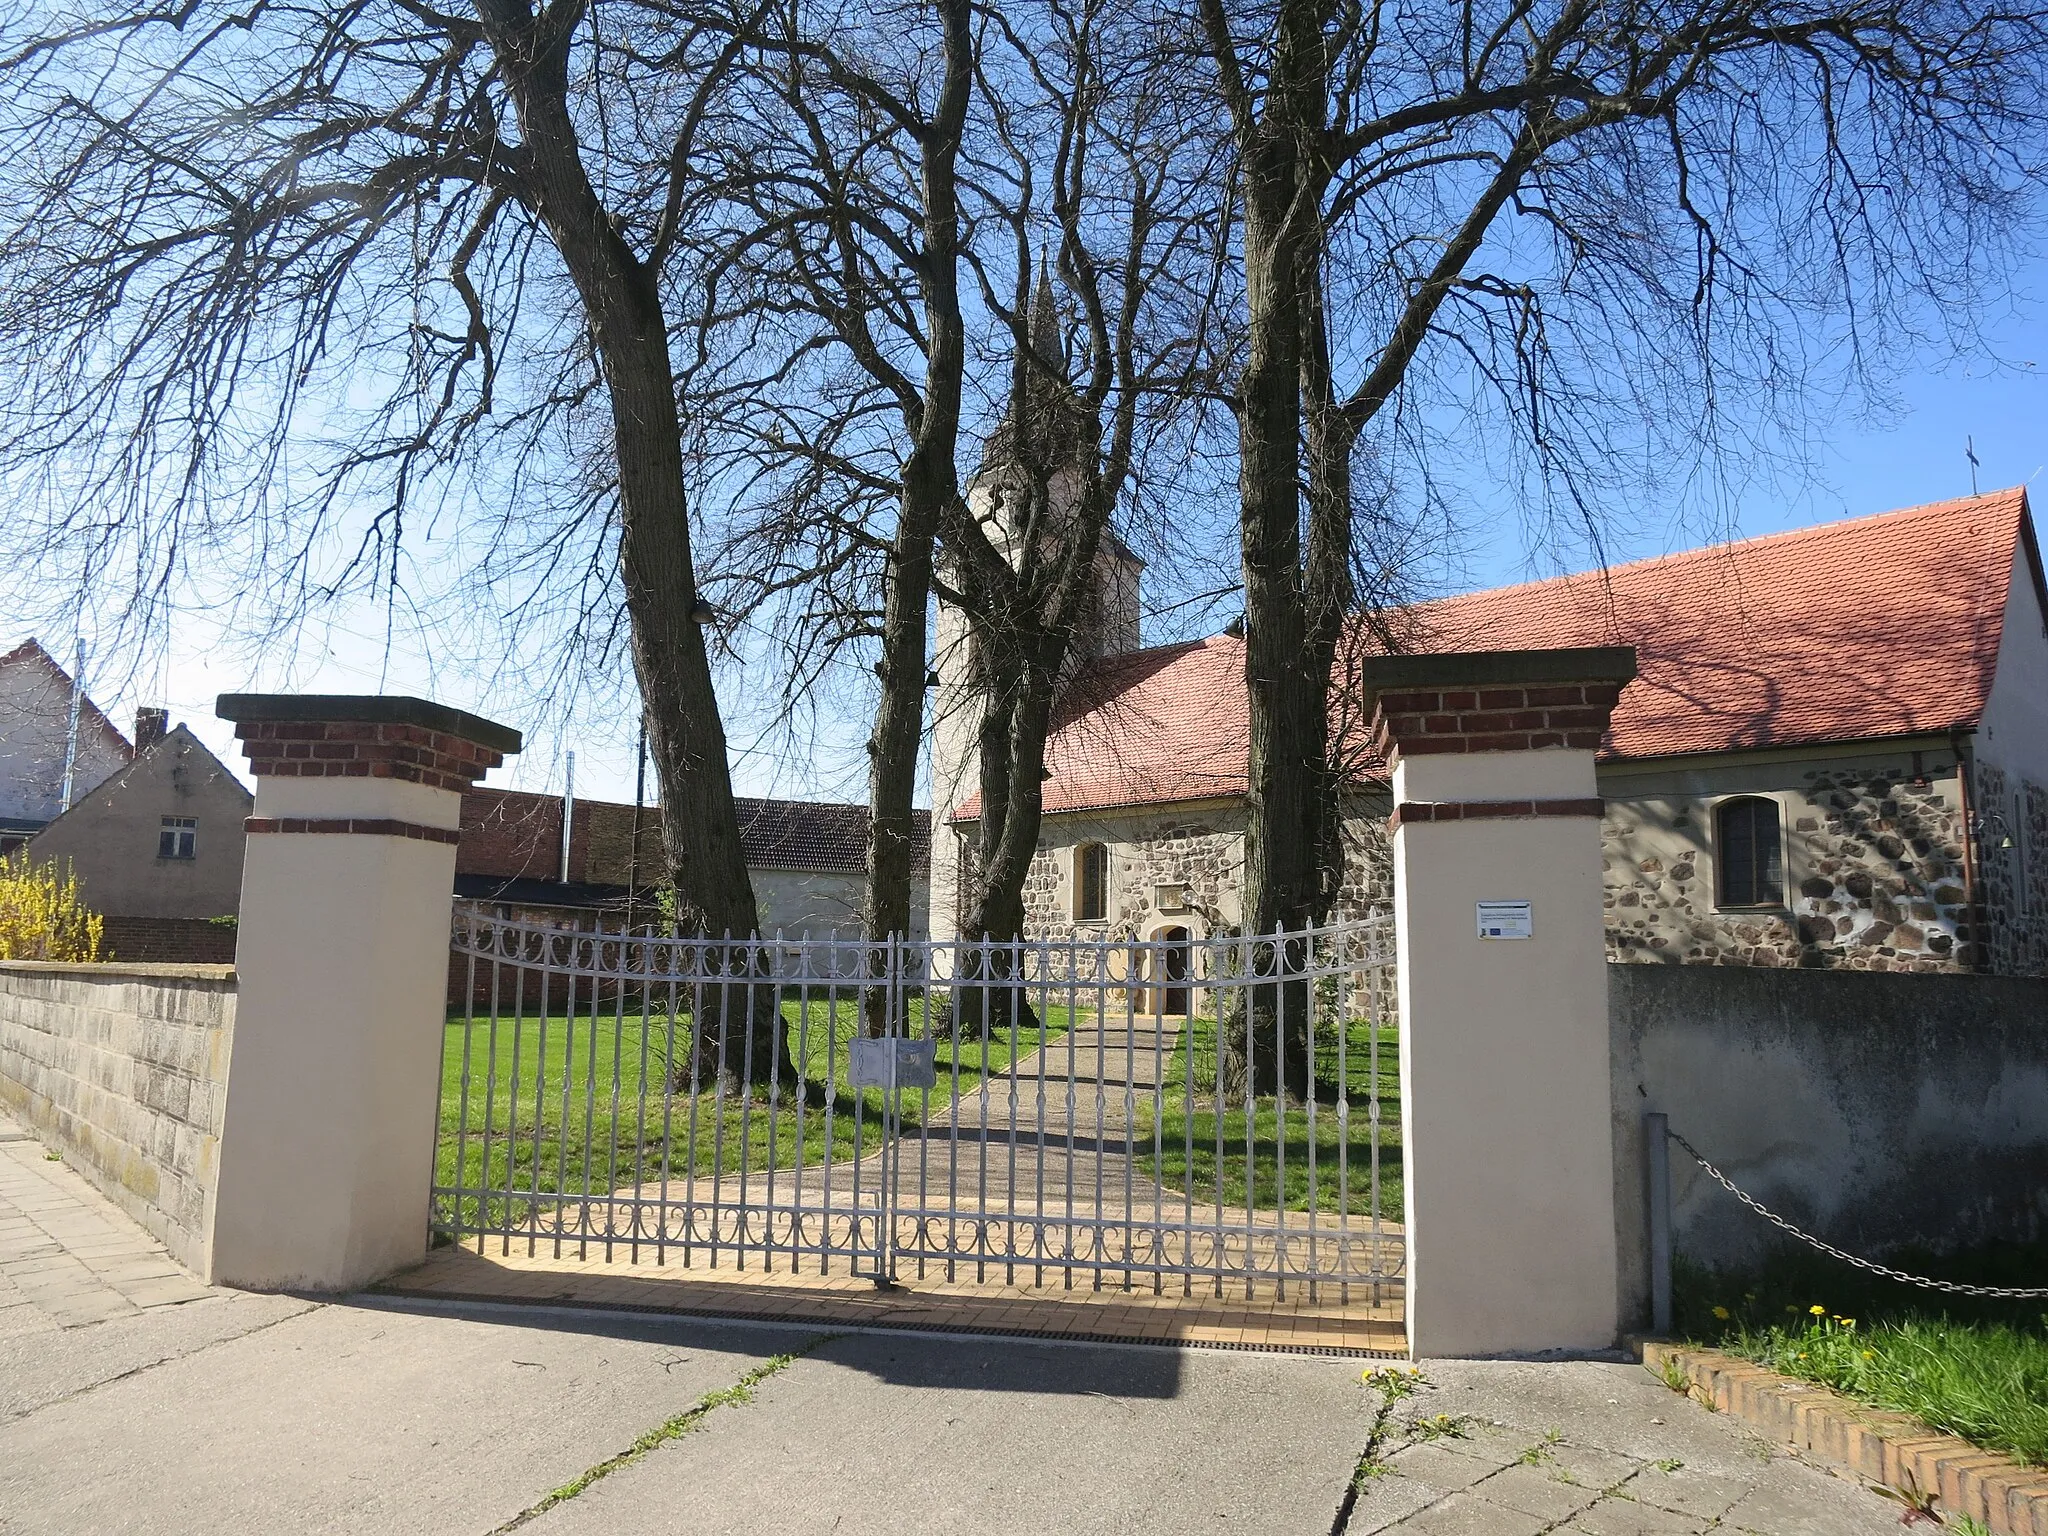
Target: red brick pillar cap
[365,736]
[1494,701]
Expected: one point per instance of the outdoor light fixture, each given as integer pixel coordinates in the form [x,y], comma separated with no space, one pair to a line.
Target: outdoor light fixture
[1991,825]
[931,679]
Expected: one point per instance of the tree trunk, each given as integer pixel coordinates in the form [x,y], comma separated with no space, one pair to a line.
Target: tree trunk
[1012,786]
[930,484]
[1287,692]
[622,304]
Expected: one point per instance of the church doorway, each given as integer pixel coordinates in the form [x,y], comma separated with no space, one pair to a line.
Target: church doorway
[1170,968]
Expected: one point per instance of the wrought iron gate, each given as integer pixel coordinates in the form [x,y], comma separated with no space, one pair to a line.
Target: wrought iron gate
[1021,1114]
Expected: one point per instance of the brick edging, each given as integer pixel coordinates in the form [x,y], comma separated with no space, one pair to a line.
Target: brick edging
[1408,812]
[1894,1449]
[359,826]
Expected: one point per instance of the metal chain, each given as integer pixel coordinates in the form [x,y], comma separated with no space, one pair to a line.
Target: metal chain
[1952,1287]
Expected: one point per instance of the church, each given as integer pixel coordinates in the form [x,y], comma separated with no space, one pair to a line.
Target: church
[1835,754]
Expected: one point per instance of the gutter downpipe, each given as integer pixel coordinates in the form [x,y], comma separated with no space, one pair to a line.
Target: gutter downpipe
[1966,768]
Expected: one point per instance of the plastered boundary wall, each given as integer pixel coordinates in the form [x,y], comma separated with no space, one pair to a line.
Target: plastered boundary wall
[1877,1111]
[123,1070]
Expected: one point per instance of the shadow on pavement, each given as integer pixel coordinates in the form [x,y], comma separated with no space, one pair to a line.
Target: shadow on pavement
[893,1356]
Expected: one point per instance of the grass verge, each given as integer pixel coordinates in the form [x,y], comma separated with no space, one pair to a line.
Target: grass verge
[1258,1156]
[1973,1368]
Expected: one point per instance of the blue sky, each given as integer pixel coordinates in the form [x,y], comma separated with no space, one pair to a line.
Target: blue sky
[1865,461]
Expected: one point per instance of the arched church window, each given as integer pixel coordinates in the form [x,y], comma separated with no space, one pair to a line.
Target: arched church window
[1749,852]
[1091,883]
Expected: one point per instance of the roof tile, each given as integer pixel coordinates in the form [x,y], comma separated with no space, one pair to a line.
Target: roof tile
[1865,628]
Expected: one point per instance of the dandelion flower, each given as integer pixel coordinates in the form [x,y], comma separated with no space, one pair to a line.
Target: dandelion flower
[1818,1310]
[1721,1313]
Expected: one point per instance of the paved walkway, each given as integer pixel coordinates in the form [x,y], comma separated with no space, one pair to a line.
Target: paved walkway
[68,1256]
[236,1412]
[1585,1449]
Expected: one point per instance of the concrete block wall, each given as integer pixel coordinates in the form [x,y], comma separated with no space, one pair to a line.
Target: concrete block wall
[1878,1112]
[123,1069]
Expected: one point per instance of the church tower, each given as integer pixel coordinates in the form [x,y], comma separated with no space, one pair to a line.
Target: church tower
[1046,427]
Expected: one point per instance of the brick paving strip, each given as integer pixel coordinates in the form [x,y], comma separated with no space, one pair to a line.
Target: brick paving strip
[1265,1322]
[1892,1449]
[68,1257]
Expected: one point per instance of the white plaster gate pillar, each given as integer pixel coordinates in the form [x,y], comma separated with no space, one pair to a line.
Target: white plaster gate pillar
[327,1141]
[1506,1131]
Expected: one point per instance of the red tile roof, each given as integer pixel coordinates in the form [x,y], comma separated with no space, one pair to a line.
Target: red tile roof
[1866,628]
[31,653]
[514,834]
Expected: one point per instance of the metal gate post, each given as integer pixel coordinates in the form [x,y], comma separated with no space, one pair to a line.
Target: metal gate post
[892,1031]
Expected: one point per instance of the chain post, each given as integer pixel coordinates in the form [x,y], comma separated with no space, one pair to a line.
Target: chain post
[1657,1144]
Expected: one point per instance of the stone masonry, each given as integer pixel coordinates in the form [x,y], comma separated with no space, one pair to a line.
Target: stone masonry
[123,1069]
[1873,875]
[1873,870]
[2014,880]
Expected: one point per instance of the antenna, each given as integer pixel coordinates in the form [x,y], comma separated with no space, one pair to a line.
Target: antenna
[71,732]
[568,813]
[1970,453]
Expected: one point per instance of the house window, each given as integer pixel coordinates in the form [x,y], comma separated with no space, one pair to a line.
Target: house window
[177,838]
[1749,853]
[1091,883]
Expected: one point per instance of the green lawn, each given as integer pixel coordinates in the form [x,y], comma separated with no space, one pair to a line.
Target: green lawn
[1973,1368]
[1277,1159]
[559,1104]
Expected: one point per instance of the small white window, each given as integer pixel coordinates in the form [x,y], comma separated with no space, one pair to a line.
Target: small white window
[179,838]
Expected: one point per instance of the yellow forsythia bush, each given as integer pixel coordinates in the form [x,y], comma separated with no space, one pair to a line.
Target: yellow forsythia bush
[41,917]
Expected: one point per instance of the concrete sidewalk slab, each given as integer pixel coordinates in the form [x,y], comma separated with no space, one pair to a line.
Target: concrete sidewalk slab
[871,1434]
[355,1419]
[402,1417]
[50,1364]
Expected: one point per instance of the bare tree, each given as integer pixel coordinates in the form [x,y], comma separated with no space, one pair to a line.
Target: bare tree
[1532,192]
[1596,215]
[829,361]
[833,402]
[1102,150]
[264,265]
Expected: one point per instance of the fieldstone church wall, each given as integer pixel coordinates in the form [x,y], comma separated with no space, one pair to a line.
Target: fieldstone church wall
[2013,870]
[1873,867]
[1200,850]
[1873,871]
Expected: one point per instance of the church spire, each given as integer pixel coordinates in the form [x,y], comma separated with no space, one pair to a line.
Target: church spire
[1046,341]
